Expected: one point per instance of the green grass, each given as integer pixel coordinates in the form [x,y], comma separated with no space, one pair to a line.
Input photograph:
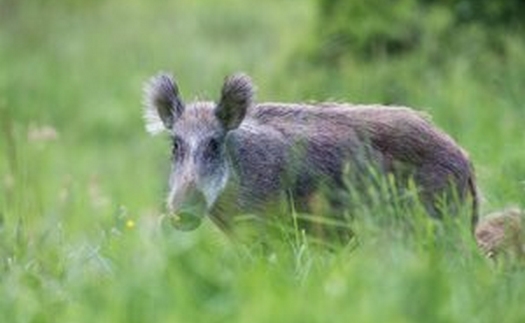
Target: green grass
[80,235]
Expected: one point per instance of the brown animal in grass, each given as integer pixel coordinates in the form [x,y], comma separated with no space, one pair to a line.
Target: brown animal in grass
[501,234]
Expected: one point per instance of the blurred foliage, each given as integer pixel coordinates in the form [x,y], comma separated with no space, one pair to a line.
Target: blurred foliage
[379,28]
[506,14]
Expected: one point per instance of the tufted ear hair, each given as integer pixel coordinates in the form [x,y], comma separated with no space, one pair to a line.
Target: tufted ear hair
[162,103]
[236,96]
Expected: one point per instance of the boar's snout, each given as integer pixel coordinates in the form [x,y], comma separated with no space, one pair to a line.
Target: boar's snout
[186,209]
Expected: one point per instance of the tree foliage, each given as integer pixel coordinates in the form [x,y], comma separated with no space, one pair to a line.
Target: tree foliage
[379,28]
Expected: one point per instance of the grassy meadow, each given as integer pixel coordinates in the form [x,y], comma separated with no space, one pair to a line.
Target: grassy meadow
[82,185]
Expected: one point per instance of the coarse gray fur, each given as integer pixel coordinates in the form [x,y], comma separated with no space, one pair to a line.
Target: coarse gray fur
[237,156]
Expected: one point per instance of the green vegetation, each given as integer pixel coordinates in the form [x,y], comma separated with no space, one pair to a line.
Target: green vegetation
[375,28]
[81,184]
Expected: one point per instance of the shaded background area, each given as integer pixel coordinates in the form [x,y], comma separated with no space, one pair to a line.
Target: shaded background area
[81,184]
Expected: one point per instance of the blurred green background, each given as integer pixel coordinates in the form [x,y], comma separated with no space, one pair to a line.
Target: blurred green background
[81,184]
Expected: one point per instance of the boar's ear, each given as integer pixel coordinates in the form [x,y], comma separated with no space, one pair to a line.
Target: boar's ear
[162,104]
[237,95]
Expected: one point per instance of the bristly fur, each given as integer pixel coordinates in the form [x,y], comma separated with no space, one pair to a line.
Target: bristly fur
[248,156]
[162,103]
[237,95]
[501,233]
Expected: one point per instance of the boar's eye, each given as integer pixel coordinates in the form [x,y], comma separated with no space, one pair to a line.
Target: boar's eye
[176,147]
[213,148]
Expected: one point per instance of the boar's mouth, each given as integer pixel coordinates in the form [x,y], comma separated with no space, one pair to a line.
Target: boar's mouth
[187,219]
[186,208]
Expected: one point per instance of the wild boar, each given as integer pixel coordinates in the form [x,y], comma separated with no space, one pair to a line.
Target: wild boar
[501,234]
[237,156]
